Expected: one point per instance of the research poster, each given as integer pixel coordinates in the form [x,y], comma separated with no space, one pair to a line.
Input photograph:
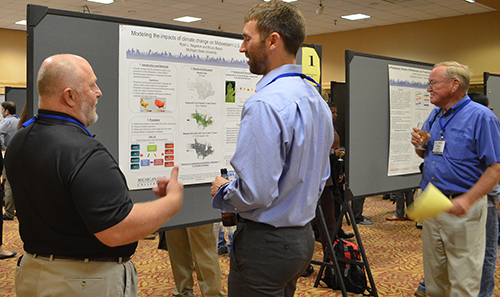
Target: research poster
[409,104]
[180,100]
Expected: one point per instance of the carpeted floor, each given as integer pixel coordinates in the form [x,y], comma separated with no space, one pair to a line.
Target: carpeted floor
[393,250]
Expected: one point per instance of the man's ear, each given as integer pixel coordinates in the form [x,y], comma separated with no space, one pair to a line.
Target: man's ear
[274,40]
[69,96]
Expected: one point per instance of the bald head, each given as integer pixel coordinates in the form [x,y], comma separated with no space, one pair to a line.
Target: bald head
[67,83]
[58,72]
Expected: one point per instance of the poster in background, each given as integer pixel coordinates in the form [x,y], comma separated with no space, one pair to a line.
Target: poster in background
[409,104]
[180,101]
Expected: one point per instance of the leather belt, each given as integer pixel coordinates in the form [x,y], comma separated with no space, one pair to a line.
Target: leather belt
[451,196]
[53,257]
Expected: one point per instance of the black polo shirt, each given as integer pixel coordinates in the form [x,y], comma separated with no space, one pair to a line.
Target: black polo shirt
[66,187]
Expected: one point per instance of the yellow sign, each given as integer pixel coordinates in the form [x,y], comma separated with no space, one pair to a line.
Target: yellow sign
[311,65]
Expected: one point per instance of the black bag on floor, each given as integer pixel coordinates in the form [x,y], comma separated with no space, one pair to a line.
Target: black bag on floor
[353,275]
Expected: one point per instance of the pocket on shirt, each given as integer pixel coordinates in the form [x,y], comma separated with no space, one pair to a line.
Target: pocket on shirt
[457,144]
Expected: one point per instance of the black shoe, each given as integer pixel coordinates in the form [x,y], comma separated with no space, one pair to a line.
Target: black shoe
[222,251]
[8,256]
[6,218]
[308,271]
[344,235]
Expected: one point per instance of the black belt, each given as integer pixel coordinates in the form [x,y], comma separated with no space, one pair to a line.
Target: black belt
[53,257]
[451,196]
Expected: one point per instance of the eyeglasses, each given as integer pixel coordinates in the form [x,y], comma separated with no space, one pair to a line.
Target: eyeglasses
[431,84]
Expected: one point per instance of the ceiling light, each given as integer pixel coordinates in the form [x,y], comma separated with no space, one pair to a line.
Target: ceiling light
[355,17]
[102,1]
[470,1]
[187,19]
[23,22]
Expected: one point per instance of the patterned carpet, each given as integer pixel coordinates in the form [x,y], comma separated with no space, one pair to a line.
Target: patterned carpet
[393,250]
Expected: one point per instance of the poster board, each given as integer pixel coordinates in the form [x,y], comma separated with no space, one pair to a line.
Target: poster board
[96,38]
[368,127]
[18,96]
[492,91]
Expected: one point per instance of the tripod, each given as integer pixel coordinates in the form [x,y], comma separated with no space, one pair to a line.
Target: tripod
[330,254]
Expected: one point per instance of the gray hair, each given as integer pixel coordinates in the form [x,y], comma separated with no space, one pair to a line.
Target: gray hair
[457,70]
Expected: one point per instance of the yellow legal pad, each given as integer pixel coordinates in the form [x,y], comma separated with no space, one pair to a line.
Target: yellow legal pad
[429,204]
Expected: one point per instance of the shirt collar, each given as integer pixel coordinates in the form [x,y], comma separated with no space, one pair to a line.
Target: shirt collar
[57,113]
[456,106]
[275,72]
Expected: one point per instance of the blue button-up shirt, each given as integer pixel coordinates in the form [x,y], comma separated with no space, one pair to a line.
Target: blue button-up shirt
[472,143]
[282,154]
[8,127]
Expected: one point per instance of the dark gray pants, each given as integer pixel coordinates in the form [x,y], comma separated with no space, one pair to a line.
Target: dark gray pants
[267,261]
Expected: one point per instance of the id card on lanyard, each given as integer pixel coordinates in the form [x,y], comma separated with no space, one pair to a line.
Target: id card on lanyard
[438,147]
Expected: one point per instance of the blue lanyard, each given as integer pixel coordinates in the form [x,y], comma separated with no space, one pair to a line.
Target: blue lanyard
[56,117]
[454,114]
[302,75]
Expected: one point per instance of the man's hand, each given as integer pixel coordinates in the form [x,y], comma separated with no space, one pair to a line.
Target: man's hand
[217,183]
[461,205]
[418,139]
[340,152]
[169,185]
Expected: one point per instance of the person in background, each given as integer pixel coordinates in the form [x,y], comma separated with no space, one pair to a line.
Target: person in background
[401,197]
[194,249]
[491,251]
[4,254]
[223,245]
[462,159]
[337,173]
[281,159]
[357,210]
[76,218]
[8,127]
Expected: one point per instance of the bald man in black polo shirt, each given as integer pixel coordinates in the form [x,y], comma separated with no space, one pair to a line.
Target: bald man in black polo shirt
[76,219]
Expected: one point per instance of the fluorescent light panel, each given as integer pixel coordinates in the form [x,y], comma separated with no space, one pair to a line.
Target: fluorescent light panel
[102,1]
[470,1]
[355,17]
[187,19]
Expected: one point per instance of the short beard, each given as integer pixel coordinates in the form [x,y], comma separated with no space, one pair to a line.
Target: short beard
[88,113]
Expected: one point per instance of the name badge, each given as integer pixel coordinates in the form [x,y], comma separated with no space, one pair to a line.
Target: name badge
[438,147]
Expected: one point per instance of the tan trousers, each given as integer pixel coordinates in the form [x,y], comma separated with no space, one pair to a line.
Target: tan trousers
[41,277]
[453,249]
[10,208]
[194,248]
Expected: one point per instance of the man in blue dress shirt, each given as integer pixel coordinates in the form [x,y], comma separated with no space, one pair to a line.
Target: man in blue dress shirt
[281,159]
[461,158]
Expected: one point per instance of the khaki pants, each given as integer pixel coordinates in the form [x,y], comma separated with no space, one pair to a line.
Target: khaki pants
[10,208]
[190,249]
[41,277]
[453,250]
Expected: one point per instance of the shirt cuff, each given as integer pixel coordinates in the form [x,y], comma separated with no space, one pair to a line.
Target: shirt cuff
[218,199]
